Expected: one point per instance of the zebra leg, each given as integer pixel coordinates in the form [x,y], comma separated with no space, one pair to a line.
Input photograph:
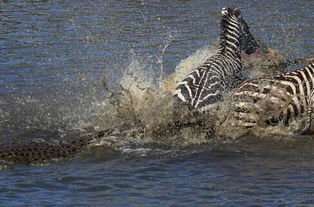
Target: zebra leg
[309,116]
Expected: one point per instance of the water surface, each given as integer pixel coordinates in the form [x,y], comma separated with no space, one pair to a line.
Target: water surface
[54,57]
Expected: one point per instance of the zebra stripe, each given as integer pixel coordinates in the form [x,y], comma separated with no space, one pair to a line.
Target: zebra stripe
[271,100]
[203,87]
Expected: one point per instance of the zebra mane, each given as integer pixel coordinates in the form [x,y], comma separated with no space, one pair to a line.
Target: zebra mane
[248,43]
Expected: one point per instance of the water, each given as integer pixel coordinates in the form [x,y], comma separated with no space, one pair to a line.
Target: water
[55,57]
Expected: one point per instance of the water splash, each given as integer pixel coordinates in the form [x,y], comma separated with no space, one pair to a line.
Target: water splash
[143,108]
[140,110]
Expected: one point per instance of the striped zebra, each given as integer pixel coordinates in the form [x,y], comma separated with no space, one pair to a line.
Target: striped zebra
[203,87]
[269,101]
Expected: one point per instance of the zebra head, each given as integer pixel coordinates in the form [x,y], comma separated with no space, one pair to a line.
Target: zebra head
[235,32]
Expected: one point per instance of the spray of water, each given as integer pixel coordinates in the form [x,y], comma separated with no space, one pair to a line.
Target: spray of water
[140,113]
[145,110]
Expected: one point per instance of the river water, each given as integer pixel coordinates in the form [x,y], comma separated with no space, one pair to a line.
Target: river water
[57,56]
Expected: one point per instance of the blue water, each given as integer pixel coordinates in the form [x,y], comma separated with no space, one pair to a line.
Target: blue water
[54,56]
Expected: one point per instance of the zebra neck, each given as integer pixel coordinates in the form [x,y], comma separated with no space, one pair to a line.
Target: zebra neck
[229,43]
[229,48]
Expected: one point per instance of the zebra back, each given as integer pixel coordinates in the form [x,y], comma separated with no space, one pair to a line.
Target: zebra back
[272,100]
[204,86]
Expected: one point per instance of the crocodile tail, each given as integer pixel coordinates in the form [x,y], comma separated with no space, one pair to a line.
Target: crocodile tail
[30,152]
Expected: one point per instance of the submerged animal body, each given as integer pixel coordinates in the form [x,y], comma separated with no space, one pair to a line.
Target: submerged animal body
[30,152]
[204,86]
[269,101]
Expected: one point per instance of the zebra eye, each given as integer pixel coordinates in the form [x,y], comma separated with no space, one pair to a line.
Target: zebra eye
[237,12]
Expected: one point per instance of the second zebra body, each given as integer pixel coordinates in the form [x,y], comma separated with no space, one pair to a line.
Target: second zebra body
[269,101]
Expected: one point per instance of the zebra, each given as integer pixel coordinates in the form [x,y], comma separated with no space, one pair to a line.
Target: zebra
[269,101]
[204,86]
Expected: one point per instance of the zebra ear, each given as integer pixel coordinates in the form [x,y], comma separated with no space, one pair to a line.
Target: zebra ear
[237,12]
